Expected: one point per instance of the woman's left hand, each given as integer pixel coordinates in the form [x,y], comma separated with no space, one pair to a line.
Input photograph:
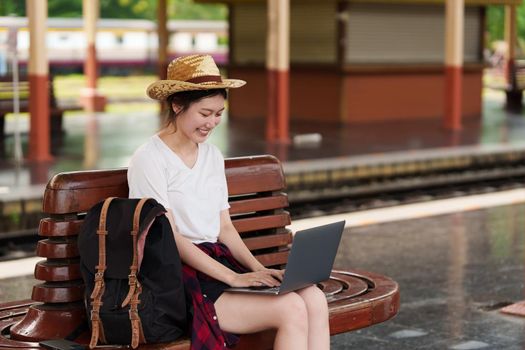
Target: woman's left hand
[277,274]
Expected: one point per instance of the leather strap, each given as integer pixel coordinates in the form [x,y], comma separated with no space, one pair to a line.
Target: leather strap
[135,288]
[132,277]
[96,296]
[137,333]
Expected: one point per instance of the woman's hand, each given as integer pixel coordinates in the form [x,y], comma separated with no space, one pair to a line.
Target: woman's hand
[263,277]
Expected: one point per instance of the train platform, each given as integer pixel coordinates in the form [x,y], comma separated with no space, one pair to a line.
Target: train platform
[323,160]
[457,263]
[107,140]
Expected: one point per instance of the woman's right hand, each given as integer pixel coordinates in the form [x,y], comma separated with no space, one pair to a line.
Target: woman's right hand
[257,279]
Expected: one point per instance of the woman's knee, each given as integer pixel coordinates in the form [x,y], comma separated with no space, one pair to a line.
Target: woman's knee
[293,310]
[315,300]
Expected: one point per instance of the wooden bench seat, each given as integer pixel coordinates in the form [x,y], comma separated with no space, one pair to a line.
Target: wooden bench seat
[356,299]
[56,111]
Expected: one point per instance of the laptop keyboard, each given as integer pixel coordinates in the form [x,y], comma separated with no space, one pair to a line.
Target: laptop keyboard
[271,289]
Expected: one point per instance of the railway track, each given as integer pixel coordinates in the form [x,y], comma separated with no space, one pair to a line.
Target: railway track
[399,196]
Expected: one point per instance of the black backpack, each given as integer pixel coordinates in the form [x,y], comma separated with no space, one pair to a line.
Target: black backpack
[130,301]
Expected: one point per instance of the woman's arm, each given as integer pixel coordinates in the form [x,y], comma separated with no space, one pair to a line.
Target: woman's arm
[231,238]
[200,261]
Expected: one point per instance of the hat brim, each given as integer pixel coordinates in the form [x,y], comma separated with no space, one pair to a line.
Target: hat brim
[161,89]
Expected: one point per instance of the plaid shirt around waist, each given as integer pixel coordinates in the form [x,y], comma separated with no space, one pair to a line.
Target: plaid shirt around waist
[206,333]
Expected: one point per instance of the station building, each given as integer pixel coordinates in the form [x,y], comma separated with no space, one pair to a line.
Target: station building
[358,61]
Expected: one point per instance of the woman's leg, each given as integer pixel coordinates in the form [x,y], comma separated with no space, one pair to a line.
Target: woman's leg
[248,313]
[318,324]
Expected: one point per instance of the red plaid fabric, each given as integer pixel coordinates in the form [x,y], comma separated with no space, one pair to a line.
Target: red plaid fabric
[206,333]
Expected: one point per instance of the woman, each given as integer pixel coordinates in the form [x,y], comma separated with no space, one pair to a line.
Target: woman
[186,175]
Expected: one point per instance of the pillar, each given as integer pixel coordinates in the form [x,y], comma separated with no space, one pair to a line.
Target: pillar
[162,34]
[38,72]
[454,37]
[90,98]
[163,43]
[277,66]
[514,94]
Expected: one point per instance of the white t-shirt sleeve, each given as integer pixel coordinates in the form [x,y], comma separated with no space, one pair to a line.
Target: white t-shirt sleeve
[147,177]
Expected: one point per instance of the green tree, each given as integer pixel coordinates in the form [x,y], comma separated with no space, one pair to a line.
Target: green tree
[132,9]
[496,25]
[12,7]
[187,9]
[67,9]
[495,21]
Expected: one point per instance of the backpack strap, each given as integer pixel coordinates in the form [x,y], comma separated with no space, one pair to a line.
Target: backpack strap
[96,297]
[135,288]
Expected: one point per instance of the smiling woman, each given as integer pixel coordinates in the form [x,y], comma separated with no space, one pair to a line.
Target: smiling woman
[204,115]
[186,174]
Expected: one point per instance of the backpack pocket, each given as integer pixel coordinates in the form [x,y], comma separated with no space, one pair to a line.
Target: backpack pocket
[116,319]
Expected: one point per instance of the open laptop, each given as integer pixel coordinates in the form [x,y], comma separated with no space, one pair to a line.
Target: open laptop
[310,261]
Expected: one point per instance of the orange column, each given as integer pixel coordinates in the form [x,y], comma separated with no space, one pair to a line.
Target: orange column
[454,37]
[90,97]
[277,65]
[38,71]
[163,42]
[513,94]
[162,34]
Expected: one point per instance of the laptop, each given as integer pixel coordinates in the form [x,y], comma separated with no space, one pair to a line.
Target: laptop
[310,260]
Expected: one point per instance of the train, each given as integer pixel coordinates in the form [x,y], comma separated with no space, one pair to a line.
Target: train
[122,44]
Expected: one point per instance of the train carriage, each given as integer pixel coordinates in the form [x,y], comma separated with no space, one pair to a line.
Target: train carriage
[121,43]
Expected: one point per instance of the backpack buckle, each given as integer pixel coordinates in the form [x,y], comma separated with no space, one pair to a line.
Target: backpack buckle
[133,314]
[95,316]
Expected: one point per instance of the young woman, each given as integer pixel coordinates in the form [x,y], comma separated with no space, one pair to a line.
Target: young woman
[185,174]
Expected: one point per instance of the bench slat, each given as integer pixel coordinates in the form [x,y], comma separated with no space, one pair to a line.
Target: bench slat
[53,272]
[254,174]
[76,192]
[262,222]
[57,250]
[262,242]
[53,228]
[273,259]
[257,204]
[58,292]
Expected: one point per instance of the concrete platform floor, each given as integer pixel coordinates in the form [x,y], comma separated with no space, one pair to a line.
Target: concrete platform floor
[454,272]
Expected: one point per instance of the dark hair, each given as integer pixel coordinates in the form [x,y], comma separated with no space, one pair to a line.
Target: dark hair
[185,98]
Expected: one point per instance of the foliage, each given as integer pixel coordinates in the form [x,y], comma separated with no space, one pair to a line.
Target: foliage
[187,9]
[496,24]
[495,21]
[132,9]
[12,7]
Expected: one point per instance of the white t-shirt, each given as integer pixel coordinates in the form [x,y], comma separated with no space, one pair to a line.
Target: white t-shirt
[195,195]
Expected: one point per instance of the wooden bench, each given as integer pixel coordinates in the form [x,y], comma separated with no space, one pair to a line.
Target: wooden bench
[56,112]
[356,299]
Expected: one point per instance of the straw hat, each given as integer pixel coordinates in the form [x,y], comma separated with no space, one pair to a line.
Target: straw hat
[195,72]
